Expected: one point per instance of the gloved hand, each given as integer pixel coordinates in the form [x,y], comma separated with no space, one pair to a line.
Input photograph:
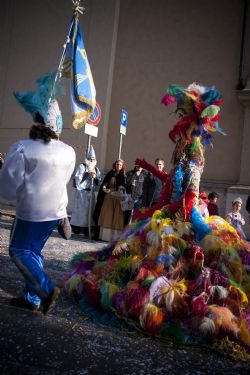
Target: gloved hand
[140,162]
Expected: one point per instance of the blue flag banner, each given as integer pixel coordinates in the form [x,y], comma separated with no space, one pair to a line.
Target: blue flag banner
[75,66]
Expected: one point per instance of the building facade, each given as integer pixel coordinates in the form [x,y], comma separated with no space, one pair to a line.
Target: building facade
[136,48]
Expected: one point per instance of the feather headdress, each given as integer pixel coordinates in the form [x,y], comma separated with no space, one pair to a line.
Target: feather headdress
[198,107]
[42,103]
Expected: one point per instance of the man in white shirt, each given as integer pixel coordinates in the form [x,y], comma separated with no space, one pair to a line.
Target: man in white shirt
[35,174]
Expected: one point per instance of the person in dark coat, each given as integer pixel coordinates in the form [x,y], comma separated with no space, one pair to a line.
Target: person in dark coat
[153,182]
[113,180]
[134,182]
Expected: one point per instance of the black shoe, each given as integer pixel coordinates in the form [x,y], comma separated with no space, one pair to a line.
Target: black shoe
[49,301]
[23,304]
[75,229]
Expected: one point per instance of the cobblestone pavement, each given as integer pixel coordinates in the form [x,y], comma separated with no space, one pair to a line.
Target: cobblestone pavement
[67,342]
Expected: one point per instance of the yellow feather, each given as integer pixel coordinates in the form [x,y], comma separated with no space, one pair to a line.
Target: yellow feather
[153,251]
[135,262]
[181,286]
[72,283]
[235,268]
[120,247]
[167,221]
[212,243]
[135,246]
[173,240]
[183,228]
[240,294]
[243,332]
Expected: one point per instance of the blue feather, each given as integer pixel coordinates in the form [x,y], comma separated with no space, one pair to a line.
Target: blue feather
[210,96]
[198,224]
[178,179]
[219,130]
[38,101]
[165,259]
[206,137]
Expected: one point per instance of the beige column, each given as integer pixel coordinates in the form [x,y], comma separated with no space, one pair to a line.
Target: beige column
[242,189]
[244,98]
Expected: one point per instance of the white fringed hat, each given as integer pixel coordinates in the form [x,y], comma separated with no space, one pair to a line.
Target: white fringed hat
[237,200]
[91,153]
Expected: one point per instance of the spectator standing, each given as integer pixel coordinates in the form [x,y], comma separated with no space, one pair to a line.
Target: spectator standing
[134,183]
[35,174]
[212,204]
[108,213]
[86,178]
[235,218]
[153,182]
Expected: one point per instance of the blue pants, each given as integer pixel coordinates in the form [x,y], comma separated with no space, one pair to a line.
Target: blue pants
[27,240]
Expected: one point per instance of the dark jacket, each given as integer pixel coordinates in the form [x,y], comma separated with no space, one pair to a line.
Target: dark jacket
[129,180]
[148,190]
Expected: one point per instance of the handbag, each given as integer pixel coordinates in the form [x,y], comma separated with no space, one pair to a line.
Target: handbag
[127,204]
[119,194]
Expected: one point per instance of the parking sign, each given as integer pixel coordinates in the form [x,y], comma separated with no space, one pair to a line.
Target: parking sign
[124,121]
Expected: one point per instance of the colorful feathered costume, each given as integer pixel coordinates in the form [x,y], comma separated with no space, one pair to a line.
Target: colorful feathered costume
[176,275]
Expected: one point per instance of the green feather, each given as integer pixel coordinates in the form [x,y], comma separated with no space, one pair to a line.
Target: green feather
[236,285]
[107,294]
[194,145]
[211,111]
[175,90]
[100,264]
[120,270]
[233,253]
[81,256]
[148,281]
[175,332]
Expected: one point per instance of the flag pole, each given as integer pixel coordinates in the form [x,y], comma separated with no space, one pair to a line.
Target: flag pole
[77,9]
[89,143]
[63,54]
[91,195]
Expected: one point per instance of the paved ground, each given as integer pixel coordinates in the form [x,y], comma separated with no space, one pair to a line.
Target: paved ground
[67,342]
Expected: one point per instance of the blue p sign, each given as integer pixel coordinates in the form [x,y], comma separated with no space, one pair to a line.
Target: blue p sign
[124,118]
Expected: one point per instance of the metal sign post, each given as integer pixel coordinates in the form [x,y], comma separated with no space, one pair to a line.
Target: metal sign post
[89,143]
[91,195]
[120,147]
[123,128]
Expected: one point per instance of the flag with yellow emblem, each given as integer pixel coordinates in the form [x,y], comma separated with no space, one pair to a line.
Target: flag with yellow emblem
[75,66]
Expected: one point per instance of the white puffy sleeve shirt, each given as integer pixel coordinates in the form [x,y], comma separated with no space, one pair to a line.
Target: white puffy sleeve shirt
[35,175]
